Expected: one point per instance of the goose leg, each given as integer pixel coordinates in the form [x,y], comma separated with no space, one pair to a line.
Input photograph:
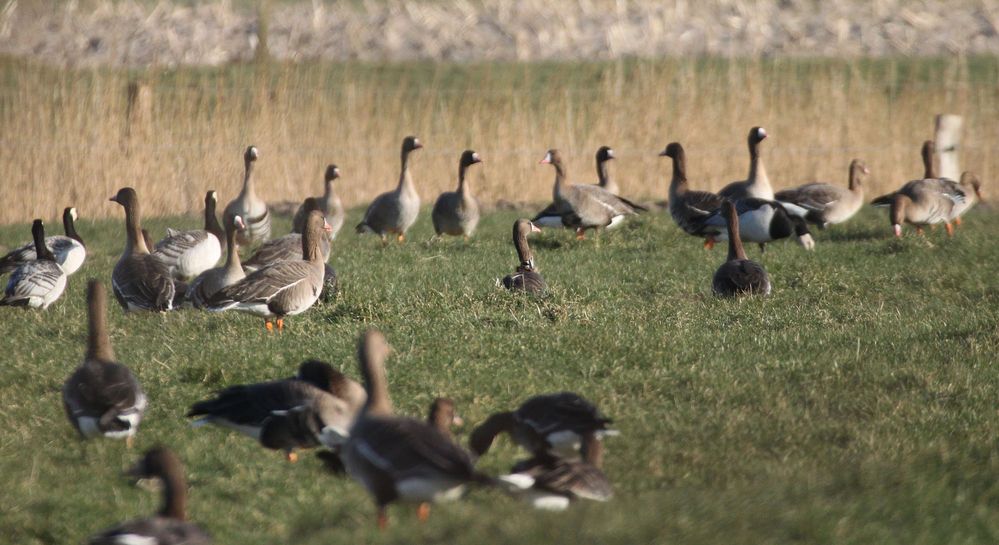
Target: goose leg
[423,512]
[382,518]
[709,243]
[401,237]
[280,324]
[950,229]
[269,326]
[763,247]
[129,441]
[580,234]
[291,456]
[957,221]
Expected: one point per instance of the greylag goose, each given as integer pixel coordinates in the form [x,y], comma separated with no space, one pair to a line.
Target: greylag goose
[549,482]
[140,280]
[399,458]
[280,289]
[526,277]
[248,206]
[69,250]
[926,201]
[585,206]
[762,221]
[395,211]
[456,213]
[193,252]
[738,275]
[288,247]
[329,203]
[551,217]
[211,281]
[757,184]
[37,283]
[102,397]
[826,204]
[170,525]
[690,209]
[552,422]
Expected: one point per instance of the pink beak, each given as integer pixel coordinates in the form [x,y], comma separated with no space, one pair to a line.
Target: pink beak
[239,223]
[544,161]
[535,228]
[898,230]
[326,226]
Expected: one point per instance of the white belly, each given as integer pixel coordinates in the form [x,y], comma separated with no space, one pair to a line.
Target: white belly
[429,490]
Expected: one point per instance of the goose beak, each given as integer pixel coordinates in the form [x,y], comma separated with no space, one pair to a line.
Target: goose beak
[238,222]
[458,421]
[866,170]
[547,160]
[662,153]
[113,199]
[898,230]
[535,228]
[327,227]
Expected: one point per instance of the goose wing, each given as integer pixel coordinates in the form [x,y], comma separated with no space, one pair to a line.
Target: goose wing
[405,447]
[816,197]
[34,280]
[143,281]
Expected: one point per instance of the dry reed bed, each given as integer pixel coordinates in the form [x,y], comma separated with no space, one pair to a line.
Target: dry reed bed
[63,133]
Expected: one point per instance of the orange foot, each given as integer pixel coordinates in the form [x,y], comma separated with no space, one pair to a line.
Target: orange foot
[423,512]
[280,324]
[291,456]
[709,243]
[269,326]
[382,518]
[950,229]
[401,237]
[957,221]
[129,441]
[580,234]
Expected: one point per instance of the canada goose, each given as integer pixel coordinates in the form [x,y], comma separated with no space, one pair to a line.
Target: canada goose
[552,217]
[211,281]
[140,280]
[69,250]
[826,204]
[456,213]
[248,206]
[738,275]
[690,209]
[395,212]
[549,482]
[288,247]
[193,252]
[526,277]
[37,283]
[757,184]
[329,203]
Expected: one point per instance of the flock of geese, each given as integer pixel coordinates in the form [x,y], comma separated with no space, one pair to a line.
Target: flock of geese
[398,458]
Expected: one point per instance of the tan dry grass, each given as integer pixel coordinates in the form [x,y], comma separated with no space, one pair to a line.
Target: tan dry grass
[63,132]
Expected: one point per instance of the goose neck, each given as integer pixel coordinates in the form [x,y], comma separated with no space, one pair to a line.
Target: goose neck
[174,494]
[735,249]
[98,342]
[69,227]
[133,229]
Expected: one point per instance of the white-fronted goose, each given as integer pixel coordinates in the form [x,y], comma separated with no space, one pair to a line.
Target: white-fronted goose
[37,283]
[288,247]
[757,183]
[762,221]
[552,422]
[826,204]
[211,281]
[102,397]
[401,458]
[551,483]
[551,217]
[69,250]
[329,203]
[972,186]
[738,275]
[585,206]
[169,526]
[193,252]
[690,209]
[140,280]
[456,213]
[526,277]
[248,206]
[926,201]
[395,212]
[281,289]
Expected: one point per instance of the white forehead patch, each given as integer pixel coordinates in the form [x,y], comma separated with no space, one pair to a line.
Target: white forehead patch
[72,213]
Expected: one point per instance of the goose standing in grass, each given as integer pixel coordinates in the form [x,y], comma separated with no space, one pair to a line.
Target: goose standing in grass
[690,209]
[288,247]
[585,206]
[550,216]
[456,213]
[69,250]
[925,201]
[757,183]
[826,204]
[526,277]
[397,458]
[211,281]
[193,252]
[169,526]
[37,283]
[280,289]
[102,397]
[329,204]
[738,275]
[762,221]
[248,206]
[395,212]
[552,422]
[140,280]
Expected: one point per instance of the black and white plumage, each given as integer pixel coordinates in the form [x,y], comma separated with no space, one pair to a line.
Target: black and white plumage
[549,482]
[526,277]
[37,283]
[193,252]
[738,275]
[140,280]
[69,251]
[249,206]
[762,221]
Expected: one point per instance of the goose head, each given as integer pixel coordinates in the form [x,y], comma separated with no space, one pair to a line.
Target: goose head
[469,158]
[673,150]
[443,415]
[212,197]
[411,143]
[70,212]
[605,153]
[126,197]
[332,173]
[319,374]
[757,135]
[858,169]
[251,154]
[969,179]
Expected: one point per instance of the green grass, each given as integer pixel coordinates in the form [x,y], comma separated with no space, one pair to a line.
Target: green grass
[855,405]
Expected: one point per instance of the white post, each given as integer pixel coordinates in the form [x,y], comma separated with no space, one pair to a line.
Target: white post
[948,144]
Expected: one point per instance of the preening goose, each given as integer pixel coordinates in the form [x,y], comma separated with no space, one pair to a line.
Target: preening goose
[826,204]
[762,221]
[102,397]
[69,250]
[169,526]
[211,281]
[552,422]
[329,203]
[193,252]
[288,247]
[280,289]
[398,458]
[395,212]
[549,482]
[526,277]
[456,213]
[140,280]
[37,283]
[738,275]
[551,217]
[248,206]
[690,209]
[757,183]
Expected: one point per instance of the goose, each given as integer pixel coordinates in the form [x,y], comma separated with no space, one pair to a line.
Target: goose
[319,400]
[551,483]
[398,458]
[526,277]
[280,289]
[329,203]
[690,209]
[169,526]
[211,281]
[826,204]
[550,216]
[586,206]
[756,184]
[738,275]
[102,398]
[140,280]
[288,247]
[37,283]
[925,201]
[248,206]
[395,211]
[764,221]
[69,250]
[972,186]
[456,213]
[551,422]
[193,252]
[444,416]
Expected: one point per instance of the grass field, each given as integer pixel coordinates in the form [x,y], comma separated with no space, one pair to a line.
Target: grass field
[855,405]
